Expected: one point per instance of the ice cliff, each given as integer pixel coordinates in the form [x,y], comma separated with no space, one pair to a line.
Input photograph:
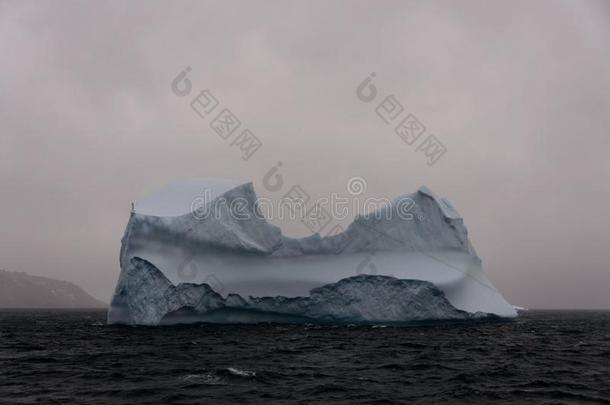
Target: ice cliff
[175,266]
[151,298]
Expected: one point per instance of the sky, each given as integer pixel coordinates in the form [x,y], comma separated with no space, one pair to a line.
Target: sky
[518,94]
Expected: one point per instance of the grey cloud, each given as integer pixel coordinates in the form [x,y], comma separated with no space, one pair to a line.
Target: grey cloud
[517,91]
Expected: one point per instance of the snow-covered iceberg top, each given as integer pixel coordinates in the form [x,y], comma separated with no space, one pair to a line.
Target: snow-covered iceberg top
[176,198]
[247,256]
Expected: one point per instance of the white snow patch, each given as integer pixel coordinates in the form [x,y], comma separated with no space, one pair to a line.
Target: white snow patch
[177,197]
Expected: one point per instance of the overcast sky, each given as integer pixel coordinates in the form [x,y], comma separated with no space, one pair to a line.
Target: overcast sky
[517,92]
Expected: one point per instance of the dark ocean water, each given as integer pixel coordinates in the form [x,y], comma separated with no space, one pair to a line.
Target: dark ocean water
[59,357]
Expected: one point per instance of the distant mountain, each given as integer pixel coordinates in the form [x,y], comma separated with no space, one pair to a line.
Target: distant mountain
[20,290]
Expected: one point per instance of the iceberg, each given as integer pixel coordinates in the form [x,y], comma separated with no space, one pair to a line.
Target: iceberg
[384,268]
